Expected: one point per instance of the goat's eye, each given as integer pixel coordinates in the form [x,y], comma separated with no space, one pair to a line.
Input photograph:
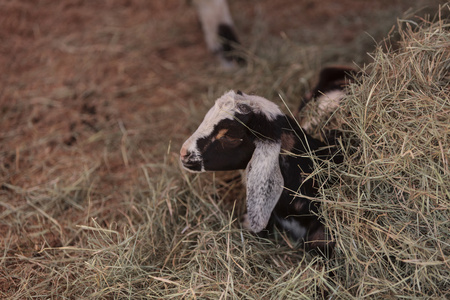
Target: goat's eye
[230,138]
[230,141]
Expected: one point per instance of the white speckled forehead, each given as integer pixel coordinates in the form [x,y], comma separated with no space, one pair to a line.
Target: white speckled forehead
[259,105]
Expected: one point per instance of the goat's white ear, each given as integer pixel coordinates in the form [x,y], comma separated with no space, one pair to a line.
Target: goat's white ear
[264,184]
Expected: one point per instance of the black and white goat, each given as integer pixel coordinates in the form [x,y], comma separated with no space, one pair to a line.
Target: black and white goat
[250,132]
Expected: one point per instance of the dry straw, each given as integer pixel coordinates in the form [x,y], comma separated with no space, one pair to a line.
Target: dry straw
[390,213]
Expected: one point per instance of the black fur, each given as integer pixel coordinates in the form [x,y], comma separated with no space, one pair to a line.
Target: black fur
[221,154]
[229,41]
[296,167]
[333,78]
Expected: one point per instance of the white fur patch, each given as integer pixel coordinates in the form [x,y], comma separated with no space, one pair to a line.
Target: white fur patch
[259,105]
[264,184]
[325,105]
[293,227]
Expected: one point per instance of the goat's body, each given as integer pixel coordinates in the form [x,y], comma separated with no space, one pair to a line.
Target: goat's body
[295,212]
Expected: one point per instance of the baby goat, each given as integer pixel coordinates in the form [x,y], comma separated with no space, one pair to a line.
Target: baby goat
[249,132]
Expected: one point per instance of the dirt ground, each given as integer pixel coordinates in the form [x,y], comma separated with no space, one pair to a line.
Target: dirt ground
[76,71]
[98,95]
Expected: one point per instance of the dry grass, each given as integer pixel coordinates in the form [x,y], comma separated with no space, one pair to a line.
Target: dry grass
[390,214]
[97,98]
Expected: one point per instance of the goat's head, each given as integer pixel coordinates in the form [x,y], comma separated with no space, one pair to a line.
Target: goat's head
[241,132]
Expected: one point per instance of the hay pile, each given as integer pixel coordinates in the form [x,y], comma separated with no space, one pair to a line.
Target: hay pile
[390,214]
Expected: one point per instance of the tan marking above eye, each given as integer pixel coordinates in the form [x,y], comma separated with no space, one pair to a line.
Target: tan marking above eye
[221,133]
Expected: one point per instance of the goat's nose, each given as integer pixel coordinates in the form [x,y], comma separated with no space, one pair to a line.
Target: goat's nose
[184,154]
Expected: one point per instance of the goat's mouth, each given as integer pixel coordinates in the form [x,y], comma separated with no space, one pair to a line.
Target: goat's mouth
[192,166]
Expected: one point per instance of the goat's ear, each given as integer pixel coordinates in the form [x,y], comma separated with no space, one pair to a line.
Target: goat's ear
[264,183]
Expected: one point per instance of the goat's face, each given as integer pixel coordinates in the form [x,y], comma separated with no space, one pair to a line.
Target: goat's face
[227,145]
[224,141]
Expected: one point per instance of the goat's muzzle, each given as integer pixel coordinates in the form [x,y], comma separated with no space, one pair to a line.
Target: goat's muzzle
[190,161]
